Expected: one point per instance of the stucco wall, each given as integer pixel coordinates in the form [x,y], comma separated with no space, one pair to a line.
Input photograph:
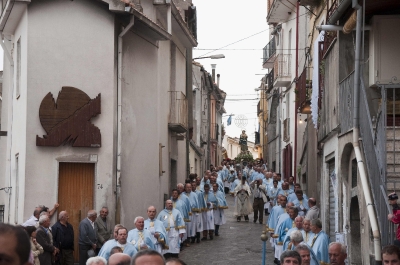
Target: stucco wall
[66,44]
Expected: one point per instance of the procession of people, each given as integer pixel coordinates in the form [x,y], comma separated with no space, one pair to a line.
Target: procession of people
[195,213]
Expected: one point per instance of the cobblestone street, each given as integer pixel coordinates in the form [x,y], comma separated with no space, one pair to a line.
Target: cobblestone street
[239,243]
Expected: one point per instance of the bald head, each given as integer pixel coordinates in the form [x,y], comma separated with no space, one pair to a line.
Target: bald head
[119,259]
[312,202]
[151,212]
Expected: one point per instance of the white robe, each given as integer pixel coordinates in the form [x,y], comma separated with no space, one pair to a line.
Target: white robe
[174,241]
[219,217]
[243,204]
[208,219]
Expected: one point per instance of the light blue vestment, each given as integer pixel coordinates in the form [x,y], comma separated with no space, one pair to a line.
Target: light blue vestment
[177,216]
[106,249]
[181,206]
[194,204]
[285,192]
[221,201]
[210,197]
[286,240]
[220,185]
[320,244]
[273,193]
[137,238]
[174,225]
[284,227]
[202,182]
[303,204]
[232,177]
[273,217]
[233,185]
[201,201]
[291,197]
[268,183]
[158,228]
[307,237]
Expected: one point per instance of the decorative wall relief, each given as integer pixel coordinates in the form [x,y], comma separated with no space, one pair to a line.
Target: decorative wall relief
[67,121]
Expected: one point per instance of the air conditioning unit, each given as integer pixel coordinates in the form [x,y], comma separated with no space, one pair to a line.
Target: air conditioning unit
[286,130]
[384,52]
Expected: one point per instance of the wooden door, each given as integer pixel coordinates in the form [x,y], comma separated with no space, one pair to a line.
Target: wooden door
[75,194]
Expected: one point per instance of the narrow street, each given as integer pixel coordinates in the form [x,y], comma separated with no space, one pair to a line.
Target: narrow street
[239,243]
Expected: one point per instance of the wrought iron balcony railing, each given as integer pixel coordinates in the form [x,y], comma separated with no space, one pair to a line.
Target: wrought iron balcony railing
[268,53]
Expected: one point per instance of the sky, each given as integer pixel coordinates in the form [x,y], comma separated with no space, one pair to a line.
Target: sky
[220,23]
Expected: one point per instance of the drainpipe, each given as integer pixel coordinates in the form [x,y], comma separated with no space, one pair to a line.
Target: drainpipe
[356,134]
[297,76]
[119,118]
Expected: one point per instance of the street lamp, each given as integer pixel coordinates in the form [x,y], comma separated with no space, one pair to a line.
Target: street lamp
[215,56]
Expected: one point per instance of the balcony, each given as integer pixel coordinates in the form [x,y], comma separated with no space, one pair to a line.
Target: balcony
[279,11]
[282,70]
[303,93]
[178,113]
[269,54]
[286,130]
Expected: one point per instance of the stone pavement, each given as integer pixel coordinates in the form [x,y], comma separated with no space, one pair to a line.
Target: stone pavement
[239,243]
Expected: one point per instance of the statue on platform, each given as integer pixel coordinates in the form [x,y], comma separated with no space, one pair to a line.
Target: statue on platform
[243,141]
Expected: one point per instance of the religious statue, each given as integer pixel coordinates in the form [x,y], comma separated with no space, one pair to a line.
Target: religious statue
[243,141]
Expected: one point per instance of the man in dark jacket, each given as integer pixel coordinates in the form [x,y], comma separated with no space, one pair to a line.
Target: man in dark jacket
[45,239]
[87,237]
[63,239]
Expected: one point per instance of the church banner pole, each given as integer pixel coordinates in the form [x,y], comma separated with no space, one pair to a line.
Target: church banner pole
[264,238]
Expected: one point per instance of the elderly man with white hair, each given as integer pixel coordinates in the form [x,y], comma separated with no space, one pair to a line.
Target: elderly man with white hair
[96,261]
[87,236]
[140,237]
[337,253]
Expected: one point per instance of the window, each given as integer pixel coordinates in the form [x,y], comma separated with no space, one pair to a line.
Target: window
[18,77]
[1,213]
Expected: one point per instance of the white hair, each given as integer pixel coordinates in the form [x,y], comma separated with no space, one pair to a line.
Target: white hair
[343,249]
[43,218]
[137,218]
[296,236]
[96,260]
[91,213]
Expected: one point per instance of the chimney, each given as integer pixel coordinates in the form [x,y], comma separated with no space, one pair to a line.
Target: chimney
[218,75]
[213,66]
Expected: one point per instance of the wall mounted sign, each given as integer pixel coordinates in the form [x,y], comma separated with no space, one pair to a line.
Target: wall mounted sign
[67,121]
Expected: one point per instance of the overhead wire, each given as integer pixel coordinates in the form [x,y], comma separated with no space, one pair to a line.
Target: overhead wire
[245,38]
